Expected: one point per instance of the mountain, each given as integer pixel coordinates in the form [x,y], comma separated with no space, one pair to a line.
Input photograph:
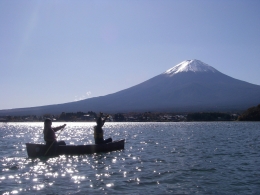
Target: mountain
[190,86]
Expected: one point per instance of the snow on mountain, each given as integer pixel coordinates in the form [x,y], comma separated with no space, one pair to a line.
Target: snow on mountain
[198,88]
[190,65]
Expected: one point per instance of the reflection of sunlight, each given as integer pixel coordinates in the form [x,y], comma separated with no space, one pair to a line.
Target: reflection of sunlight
[38,187]
[113,160]
[69,170]
[78,179]
[109,185]
[48,172]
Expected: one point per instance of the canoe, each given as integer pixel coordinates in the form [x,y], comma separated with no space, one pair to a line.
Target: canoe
[39,150]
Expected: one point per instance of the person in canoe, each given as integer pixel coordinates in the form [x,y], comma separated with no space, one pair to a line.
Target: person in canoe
[98,131]
[49,134]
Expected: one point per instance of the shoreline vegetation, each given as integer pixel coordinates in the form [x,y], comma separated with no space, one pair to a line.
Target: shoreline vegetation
[126,117]
[251,114]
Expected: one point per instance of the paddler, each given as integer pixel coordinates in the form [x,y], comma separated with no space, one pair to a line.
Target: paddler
[49,134]
[98,131]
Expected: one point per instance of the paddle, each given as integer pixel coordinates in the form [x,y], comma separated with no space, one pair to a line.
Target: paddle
[54,141]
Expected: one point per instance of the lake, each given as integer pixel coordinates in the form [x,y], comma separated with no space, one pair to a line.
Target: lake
[159,158]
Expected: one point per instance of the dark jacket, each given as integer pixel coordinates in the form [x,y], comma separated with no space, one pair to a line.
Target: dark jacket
[49,133]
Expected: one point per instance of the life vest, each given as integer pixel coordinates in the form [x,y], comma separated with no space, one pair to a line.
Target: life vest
[98,133]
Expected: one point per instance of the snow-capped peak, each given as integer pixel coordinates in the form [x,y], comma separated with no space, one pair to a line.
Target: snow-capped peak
[190,66]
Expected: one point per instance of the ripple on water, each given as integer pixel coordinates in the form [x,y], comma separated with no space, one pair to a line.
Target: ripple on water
[159,158]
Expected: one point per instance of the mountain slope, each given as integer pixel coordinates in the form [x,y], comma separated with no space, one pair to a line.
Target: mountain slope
[187,87]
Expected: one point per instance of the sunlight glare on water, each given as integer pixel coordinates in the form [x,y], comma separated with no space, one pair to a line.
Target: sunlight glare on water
[159,158]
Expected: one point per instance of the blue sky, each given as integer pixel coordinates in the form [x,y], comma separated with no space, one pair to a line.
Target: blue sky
[60,51]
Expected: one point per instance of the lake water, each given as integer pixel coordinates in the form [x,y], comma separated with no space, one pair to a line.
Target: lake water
[159,158]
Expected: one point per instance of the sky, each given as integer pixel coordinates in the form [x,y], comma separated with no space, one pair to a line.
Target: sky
[58,51]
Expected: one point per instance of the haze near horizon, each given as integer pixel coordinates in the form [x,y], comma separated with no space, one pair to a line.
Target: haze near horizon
[62,51]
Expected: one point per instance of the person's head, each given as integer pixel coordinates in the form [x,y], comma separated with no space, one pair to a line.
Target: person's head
[47,122]
[101,114]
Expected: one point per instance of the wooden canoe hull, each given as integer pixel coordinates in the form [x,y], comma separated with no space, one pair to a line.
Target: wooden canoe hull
[39,150]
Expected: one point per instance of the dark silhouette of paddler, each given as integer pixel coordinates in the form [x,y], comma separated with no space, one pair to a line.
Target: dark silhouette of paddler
[98,131]
[50,137]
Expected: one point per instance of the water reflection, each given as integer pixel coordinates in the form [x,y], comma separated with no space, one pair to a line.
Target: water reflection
[184,158]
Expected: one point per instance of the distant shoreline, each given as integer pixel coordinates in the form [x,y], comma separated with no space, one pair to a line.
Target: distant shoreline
[126,117]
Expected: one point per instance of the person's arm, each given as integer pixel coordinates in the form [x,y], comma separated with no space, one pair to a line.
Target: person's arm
[55,129]
[106,117]
[104,120]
